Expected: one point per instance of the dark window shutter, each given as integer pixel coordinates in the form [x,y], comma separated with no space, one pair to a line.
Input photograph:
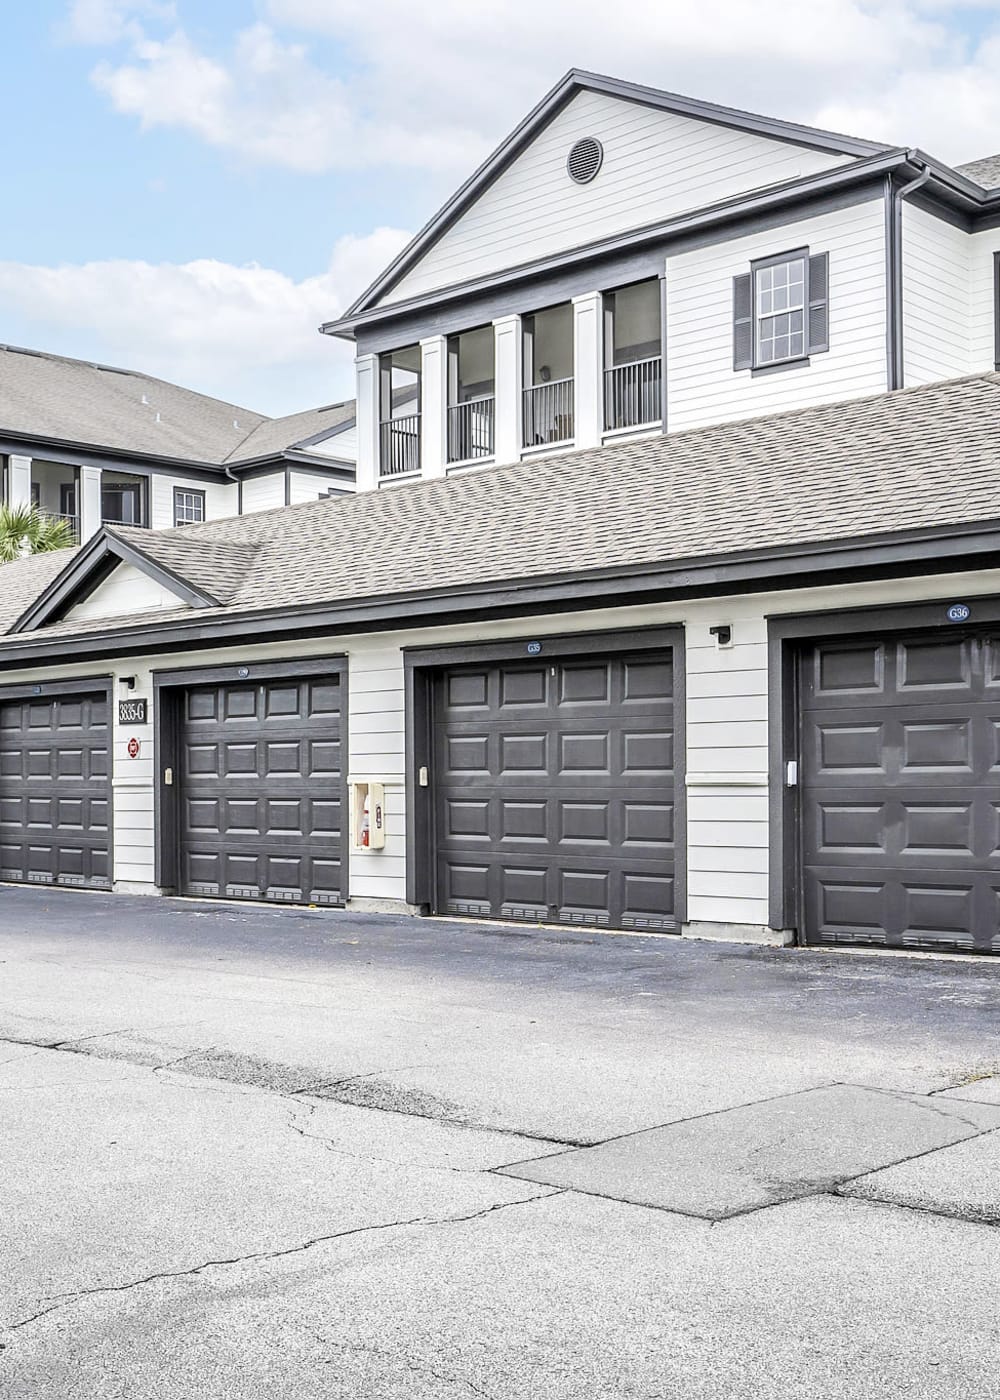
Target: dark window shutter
[819,303]
[743,322]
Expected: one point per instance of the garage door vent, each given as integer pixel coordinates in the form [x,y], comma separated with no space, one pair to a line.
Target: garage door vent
[585,160]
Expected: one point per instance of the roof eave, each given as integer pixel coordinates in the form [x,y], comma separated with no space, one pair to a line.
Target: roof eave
[925,550]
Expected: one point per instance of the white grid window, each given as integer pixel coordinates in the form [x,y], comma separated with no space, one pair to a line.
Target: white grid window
[189,507]
[780,311]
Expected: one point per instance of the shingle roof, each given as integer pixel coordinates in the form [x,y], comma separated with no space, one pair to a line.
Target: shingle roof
[23,580]
[985,172]
[919,458]
[53,397]
[277,434]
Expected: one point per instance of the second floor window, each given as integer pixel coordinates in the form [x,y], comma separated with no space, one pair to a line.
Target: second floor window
[189,506]
[399,411]
[780,310]
[548,376]
[471,395]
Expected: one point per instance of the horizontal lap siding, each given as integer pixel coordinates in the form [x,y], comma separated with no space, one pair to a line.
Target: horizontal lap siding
[377,750]
[703,387]
[727,761]
[936,298]
[263,492]
[982,294]
[656,165]
[220,499]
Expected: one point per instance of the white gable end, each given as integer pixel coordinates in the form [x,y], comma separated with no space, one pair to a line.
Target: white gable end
[656,165]
[125,592]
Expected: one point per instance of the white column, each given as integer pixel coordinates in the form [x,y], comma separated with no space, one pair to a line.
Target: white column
[90,502]
[507,369]
[588,357]
[433,406]
[19,481]
[366,370]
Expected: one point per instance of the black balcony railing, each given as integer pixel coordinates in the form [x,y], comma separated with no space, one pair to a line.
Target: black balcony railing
[399,445]
[470,429]
[548,413]
[633,394]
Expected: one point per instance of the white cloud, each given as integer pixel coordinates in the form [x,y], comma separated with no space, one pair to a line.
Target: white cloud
[433,87]
[108,21]
[243,333]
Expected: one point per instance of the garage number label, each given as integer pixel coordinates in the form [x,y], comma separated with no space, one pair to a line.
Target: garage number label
[131,711]
[959,612]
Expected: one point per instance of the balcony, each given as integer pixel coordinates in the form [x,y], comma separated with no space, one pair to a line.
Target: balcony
[548,413]
[633,394]
[399,445]
[73,521]
[470,429]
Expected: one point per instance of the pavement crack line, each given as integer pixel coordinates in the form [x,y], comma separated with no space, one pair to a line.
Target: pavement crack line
[359,1349]
[65,1300]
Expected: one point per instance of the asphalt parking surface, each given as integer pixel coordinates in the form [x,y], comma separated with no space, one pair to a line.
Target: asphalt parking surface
[266,1152]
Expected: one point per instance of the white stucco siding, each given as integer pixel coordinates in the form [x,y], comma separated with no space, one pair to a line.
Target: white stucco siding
[726,755]
[220,499]
[982,300]
[936,298]
[703,387]
[656,165]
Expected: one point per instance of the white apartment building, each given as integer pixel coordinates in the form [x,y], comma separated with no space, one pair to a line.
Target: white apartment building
[669,600]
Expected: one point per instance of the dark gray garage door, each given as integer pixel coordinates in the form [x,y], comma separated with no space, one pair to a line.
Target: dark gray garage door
[54,801]
[554,794]
[901,793]
[260,810]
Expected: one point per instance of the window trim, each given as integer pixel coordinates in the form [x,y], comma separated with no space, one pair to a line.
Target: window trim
[189,491]
[760,265]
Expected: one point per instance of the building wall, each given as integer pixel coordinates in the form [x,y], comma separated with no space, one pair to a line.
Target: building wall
[263,492]
[656,165]
[309,486]
[982,299]
[727,738]
[126,591]
[936,298]
[220,499]
[703,387]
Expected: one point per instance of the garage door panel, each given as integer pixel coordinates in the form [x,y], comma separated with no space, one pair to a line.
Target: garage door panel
[261,801]
[900,810]
[554,792]
[54,803]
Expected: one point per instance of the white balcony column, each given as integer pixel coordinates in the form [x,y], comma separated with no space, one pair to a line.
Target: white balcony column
[433,406]
[19,481]
[588,365]
[366,411]
[507,371]
[90,502]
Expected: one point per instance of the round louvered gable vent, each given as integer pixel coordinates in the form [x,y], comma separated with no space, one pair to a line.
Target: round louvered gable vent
[584,160]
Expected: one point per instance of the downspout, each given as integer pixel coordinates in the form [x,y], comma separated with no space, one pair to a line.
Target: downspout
[239,487]
[895,261]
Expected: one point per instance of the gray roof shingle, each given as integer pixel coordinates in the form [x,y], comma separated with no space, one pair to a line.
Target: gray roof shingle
[913,459]
[23,580]
[985,172]
[64,400]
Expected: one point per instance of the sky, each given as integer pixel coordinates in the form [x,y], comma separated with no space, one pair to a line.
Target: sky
[192,186]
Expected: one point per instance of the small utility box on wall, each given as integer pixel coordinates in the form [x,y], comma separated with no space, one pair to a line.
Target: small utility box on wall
[367,815]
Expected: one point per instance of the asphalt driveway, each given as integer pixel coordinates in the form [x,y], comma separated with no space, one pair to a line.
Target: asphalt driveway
[277,1152]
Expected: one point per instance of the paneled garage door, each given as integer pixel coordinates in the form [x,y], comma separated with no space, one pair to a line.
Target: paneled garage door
[260,801]
[554,791]
[901,793]
[54,798]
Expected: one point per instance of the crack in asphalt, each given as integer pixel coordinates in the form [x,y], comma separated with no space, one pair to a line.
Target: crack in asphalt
[359,1349]
[65,1300]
